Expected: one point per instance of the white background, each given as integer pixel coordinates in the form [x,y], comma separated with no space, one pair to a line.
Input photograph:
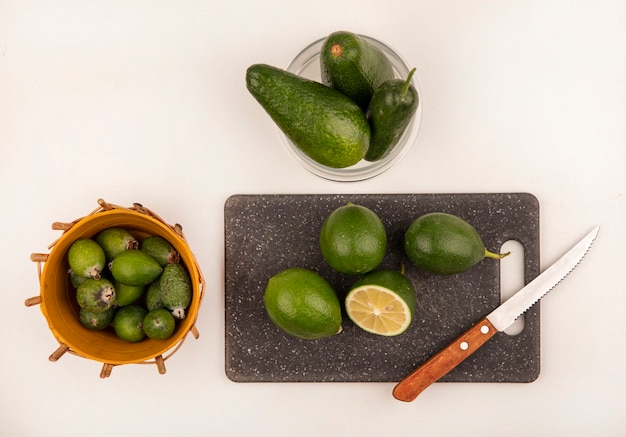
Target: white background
[145,101]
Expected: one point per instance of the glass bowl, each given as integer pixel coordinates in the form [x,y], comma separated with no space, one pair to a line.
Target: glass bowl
[307,64]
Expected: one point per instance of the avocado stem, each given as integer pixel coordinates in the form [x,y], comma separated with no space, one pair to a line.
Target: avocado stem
[493,255]
[336,50]
[407,82]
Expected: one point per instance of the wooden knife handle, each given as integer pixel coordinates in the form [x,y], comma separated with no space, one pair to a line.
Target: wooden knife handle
[444,361]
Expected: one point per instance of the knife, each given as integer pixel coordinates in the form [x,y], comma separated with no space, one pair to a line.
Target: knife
[498,320]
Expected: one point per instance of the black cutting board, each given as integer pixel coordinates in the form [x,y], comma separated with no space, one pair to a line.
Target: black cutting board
[265,234]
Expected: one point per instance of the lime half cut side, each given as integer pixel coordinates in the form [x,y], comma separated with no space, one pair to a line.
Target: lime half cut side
[378,310]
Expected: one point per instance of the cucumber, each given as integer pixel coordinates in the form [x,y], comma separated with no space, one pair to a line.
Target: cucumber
[322,122]
[390,110]
[354,66]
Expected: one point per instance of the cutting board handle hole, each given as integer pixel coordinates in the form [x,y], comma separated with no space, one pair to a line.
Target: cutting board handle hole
[512,279]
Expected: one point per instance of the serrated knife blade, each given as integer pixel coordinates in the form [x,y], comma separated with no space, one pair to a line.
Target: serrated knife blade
[496,321]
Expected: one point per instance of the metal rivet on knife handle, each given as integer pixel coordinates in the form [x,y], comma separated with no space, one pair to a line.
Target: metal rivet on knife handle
[444,361]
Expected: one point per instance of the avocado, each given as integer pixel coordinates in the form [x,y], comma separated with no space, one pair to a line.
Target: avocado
[444,244]
[353,65]
[390,111]
[322,122]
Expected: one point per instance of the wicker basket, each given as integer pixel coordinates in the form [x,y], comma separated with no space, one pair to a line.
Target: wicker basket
[57,297]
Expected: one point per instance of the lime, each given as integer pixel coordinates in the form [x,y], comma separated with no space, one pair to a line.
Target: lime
[444,244]
[303,304]
[86,258]
[128,322]
[382,302]
[159,324]
[353,239]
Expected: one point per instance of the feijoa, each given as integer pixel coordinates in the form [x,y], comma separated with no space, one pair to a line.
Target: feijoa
[86,258]
[160,249]
[135,267]
[159,324]
[153,296]
[96,321]
[128,323]
[127,294]
[176,291]
[96,295]
[115,240]
[444,244]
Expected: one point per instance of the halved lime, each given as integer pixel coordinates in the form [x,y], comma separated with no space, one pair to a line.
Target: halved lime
[382,303]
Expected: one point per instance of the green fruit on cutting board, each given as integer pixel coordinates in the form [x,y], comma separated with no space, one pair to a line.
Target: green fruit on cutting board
[353,239]
[354,66]
[176,290]
[390,111]
[86,258]
[303,304]
[382,302]
[444,244]
[322,122]
[134,267]
[96,295]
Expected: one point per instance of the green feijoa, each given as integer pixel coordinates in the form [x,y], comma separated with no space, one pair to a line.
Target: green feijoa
[96,321]
[390,111]
[75,279]
[135,267]
[444,244]
[159,324]
[354,66]
[86,258]
[153,296]
[96,295]
[128,323]
[160,249]
[115,240]
[176,291]
[127,294]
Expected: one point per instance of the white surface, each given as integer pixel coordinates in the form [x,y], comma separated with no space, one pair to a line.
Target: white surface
[145,101]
